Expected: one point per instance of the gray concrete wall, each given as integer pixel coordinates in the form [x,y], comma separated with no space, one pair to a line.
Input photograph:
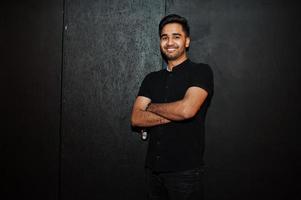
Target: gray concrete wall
[109,47]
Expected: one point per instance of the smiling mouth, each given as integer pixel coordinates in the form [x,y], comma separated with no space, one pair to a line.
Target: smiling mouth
[171,50]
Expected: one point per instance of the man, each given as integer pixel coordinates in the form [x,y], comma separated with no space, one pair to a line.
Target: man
[172,105]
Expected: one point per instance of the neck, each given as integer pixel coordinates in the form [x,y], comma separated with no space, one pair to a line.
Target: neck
[172,63]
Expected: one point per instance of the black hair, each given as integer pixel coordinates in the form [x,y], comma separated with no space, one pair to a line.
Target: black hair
[173,18]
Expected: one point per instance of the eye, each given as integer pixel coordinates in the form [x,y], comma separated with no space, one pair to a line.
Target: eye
[163,38]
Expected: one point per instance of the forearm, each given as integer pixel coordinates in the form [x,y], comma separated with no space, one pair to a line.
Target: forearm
[174,111]
[142,118]
[177,111]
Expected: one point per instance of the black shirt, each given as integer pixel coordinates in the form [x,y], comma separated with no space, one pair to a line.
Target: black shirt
[178,145]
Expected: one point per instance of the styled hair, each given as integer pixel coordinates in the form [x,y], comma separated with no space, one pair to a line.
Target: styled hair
[173,18]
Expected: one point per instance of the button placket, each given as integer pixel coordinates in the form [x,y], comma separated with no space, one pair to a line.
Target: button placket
[167,84]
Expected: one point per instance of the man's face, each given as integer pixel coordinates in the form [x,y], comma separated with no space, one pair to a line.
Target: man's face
[173,41]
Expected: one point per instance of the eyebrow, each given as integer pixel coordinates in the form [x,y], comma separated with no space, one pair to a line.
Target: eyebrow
[175,34]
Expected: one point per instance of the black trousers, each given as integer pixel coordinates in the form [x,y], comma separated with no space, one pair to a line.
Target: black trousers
[183,185]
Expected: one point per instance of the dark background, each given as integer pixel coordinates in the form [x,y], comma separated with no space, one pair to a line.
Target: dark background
[70,71]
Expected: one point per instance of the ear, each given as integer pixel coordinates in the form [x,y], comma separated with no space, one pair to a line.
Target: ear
[187,42]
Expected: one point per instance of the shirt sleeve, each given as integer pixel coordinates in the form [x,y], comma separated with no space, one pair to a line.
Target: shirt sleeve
[202,77]
[145,87]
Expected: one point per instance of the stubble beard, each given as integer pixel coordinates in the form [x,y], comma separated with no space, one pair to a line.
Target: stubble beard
[172,57]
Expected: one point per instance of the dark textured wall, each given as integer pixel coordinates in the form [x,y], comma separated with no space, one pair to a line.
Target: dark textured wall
[109,47]
[31,49]
[253,48]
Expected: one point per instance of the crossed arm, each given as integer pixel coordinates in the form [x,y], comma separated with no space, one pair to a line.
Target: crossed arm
[147,114]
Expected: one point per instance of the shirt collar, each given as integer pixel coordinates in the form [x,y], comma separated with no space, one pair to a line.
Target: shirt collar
[179,66]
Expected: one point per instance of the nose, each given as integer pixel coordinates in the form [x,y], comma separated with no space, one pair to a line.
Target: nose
[170,41]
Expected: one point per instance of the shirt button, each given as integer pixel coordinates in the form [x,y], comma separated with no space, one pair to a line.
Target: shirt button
[166,86]
[158,142]
[157,157]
